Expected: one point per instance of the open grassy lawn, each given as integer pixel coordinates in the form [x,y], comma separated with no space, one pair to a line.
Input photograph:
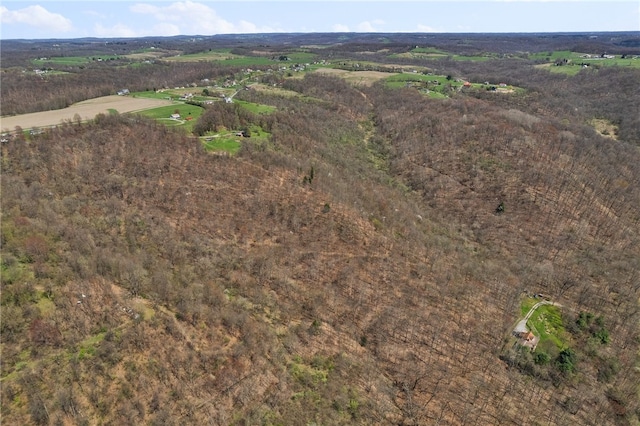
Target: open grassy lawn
[229,142]
[547,321]
[221,143]
[255,108]
[189,114]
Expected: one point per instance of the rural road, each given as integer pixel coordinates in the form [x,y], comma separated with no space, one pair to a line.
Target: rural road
[87,110]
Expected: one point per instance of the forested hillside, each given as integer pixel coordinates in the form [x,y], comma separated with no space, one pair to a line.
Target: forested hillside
[364,263]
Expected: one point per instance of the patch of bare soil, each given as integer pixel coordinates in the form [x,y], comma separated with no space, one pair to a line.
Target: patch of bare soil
[605,128]
[365,78]
[86,110]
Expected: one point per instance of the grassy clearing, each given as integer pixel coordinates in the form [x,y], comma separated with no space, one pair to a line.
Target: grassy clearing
[401,80]
[526,305]
[431,53]
[225,57]
[46,305]
[547,321]
[189,114]
[218,143]
[301,57]
[148,54]
[428,51]
[365,78]
[87,348]
[73,60]
[249,61]
[151,94]
[566,70]
[230,142]
[211,55]
[256,108]
[605,127]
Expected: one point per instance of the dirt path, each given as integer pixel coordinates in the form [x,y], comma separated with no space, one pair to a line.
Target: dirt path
[87,110]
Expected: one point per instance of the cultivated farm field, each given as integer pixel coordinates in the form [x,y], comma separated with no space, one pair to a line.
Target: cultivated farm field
[86,110]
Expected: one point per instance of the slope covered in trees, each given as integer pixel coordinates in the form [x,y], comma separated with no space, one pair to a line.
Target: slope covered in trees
[364,265]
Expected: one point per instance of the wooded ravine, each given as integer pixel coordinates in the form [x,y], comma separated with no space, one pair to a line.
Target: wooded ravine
[362,254]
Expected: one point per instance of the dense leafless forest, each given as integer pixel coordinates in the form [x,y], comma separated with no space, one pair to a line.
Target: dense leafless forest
[363,264]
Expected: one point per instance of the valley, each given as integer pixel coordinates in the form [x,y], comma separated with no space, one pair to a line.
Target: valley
[286,229]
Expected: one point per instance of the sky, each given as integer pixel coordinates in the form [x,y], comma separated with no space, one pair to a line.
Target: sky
[119,18]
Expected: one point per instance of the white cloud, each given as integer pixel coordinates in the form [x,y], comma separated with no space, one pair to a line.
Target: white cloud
[426,29]
[162,29]
[117,30]
[36,16]
[340,28]
[195,18]
[94,14]
[367,27]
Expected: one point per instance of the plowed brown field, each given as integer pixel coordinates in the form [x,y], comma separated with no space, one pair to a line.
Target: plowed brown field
[86,110]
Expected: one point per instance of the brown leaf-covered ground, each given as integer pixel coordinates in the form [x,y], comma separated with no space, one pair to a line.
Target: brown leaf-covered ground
[351,270]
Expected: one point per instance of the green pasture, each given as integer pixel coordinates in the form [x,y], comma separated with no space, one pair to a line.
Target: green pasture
[153,95]
[400,80]
[248,61]
[211,55]
[300,57]
[255,108]
[428,50]
[576,59]
[431,53]
[72,60]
